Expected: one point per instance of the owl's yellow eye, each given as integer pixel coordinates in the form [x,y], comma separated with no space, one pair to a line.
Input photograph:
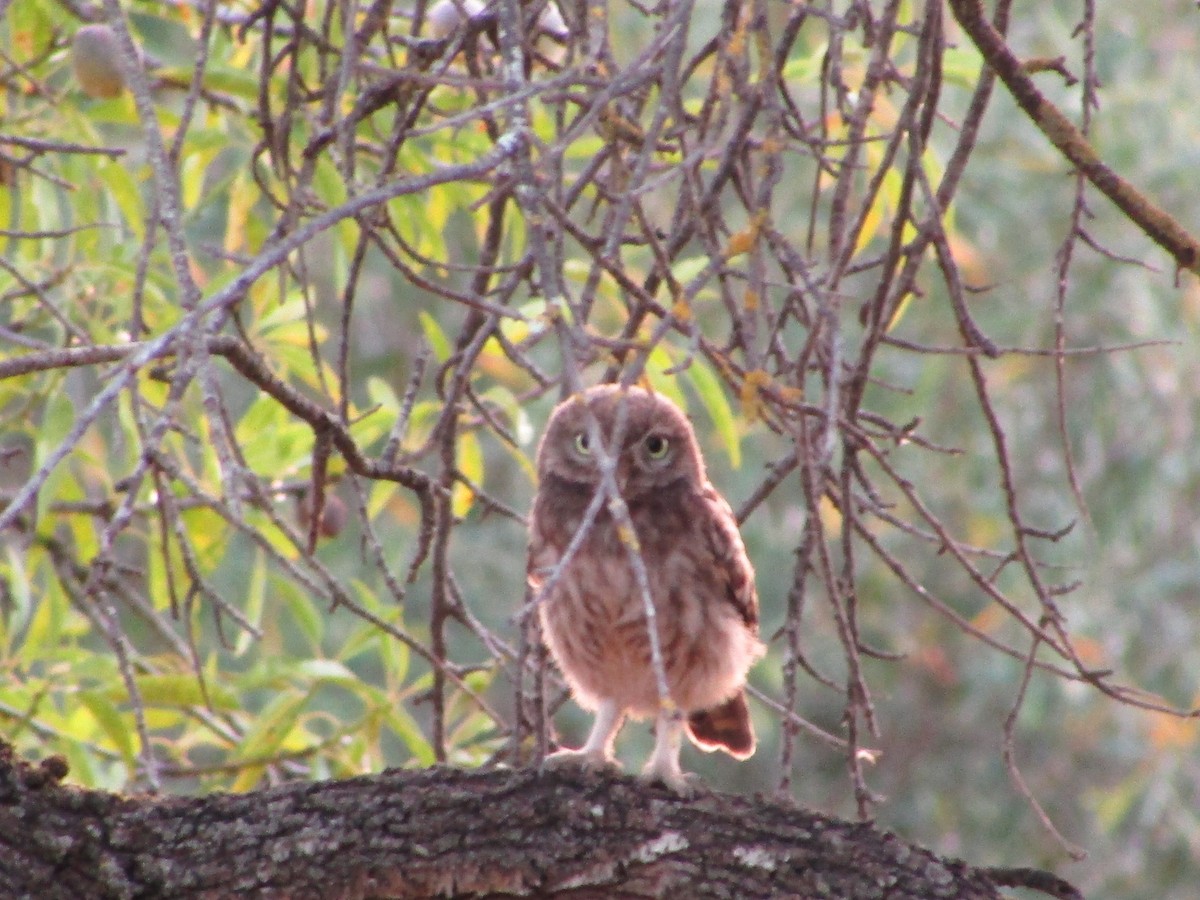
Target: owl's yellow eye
[657,446]
[583,446]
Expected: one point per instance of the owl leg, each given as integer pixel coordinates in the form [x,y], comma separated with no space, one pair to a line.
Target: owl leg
[597,753]
[663,765]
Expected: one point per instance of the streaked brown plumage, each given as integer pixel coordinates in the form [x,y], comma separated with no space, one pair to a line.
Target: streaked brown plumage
[700,579]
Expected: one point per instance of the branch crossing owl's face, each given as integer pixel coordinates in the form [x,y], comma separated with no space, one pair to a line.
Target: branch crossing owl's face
[656,448]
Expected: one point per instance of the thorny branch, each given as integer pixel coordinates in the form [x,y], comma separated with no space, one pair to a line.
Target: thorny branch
[627,208]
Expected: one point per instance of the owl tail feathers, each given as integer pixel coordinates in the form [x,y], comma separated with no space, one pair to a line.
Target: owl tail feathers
[726,727]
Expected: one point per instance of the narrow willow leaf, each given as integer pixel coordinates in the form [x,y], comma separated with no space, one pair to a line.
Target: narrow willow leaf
[716,404]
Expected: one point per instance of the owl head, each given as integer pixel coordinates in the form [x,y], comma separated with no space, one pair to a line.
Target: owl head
[657,445]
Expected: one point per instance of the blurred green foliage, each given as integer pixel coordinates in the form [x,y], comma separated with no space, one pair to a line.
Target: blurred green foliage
[282,680]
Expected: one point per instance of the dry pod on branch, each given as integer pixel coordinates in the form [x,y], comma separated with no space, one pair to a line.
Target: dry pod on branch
[333,514]
[96,61]
[447,15]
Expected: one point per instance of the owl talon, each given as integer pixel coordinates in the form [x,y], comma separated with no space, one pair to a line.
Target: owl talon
[686,785]
[583,759]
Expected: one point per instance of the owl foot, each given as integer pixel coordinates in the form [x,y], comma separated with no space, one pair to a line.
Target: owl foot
[597,754]
[663,765]
[685,784]
[588,760]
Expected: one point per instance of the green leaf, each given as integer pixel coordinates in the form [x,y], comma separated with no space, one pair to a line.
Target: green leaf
[468,737]
[687,269]
[396,657]
[327,670]
[271,439]
[57,421]
[364,639]
[20,596]
[303,612]
[116,727]
[657,364]
[514,411]
[369,427]
[716,404]
[48,623]
[406,728]
[221,78]
[289,312]
[82,763]
[961,65]
[420,423]
[256,594]
[437,339]
[806,69]
[178,690]
[124,191]
[381,495]
[381,394]
[331,188]
[268,730]
[586,147]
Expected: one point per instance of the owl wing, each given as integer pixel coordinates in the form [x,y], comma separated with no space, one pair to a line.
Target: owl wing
[727,726]
[731,565]
[541,554]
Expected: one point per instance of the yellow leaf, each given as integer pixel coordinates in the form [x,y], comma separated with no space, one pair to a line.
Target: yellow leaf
[495,362]
[752,385]
[469,460]
[831,516]
[242,196]
[968,259]
[990,619]
[900,309]
[628,537]
[772,145]
[740,243]
[1168,732]
[744,240]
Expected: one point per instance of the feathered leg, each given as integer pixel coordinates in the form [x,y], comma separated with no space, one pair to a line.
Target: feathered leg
[597,753]
[663,765]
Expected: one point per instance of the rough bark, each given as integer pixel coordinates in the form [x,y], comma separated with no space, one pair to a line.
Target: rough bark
[449,833]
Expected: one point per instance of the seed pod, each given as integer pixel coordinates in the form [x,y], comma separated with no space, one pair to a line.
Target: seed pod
[551,23]
[333,515]
[96,59]
[447,15]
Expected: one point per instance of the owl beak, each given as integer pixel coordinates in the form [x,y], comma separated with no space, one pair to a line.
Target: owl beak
[622,478]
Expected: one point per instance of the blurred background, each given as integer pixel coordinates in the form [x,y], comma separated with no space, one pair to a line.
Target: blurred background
[315,689]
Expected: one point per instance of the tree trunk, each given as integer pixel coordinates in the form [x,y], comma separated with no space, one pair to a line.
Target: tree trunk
[449,833]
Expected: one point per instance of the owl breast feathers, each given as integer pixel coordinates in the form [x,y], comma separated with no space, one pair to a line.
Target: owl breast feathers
[701,581]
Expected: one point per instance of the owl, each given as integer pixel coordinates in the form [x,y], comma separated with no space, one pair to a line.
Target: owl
[593,615]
